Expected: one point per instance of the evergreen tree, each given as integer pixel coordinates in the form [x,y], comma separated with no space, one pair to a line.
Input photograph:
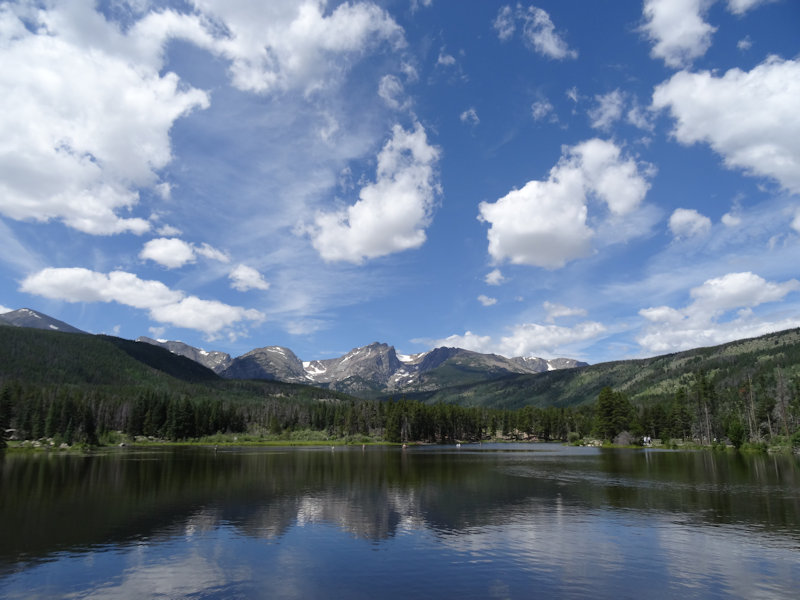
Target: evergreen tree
[5,413]
[614,413]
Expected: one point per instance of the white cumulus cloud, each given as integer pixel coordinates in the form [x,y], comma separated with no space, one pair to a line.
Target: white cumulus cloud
[528,339]
[165,305]
[545,223]
[678,30]
[169,252]
[174,252]
[245,278]
[286,44]
[494,277]
[82,131]
[86,106]
[392,213]
[701,323]
[486,300]
[749,117]
[688,223]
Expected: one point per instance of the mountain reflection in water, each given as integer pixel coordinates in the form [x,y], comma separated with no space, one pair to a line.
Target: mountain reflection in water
[484,520]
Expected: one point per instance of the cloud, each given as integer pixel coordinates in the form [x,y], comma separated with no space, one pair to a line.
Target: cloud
[468,341]
[173,252]
[677,29]
[639,117]
[744,44]
[544,224]
[749,117]
[555,311]
[294,45]
[245,278]
[505,23]
[542,108]
[608,110]
[82,131]
[470,116]
[699,323]
[391,90]
[688,223]
[445,60]
[538,31]
[392,213]
[486,300]
[212,253]
[415,4]
[796,221]
[739,7]
[87,105]
[169,252]
[164,305]
[730,219]
[168,230]
[4,310]
[533,339]
[572,94]
[527,339]
[494,277]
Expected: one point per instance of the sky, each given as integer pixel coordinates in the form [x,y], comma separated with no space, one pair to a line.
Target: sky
[597,180]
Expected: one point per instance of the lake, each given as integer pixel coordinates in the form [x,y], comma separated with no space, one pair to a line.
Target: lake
[480,521]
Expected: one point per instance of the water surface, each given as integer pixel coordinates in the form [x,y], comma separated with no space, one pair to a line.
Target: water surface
[489,521]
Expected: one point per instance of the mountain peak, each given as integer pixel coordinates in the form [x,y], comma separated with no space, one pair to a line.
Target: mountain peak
[214,360]
[26,317]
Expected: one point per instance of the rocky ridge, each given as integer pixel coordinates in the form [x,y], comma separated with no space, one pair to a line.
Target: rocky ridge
[375,369]
[367,371]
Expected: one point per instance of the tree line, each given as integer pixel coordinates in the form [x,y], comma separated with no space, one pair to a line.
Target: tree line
[754,412]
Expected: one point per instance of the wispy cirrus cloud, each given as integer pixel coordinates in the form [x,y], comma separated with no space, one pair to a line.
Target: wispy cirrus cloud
[538,31]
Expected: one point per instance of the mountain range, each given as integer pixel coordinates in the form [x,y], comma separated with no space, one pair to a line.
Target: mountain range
[369,371]
[46,354]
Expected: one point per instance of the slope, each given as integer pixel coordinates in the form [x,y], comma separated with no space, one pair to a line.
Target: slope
[642,380]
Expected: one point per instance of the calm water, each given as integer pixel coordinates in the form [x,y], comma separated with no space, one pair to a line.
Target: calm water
[506,521]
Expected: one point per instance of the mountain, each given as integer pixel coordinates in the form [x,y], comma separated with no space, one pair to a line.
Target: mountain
[732,366]
[272,362]
[214,360]
[25,317]
[377,369]
[369,371]
[43,357]
[362,371]
[46,357]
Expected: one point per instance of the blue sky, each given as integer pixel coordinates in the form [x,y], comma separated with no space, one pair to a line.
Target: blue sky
[597,180]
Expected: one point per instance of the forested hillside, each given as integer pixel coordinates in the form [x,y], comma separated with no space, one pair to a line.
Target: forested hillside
[76,388]
[644,381]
